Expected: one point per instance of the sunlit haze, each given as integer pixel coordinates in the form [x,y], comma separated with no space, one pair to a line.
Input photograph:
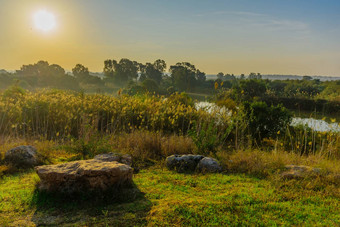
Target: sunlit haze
[44,20]
[240,36]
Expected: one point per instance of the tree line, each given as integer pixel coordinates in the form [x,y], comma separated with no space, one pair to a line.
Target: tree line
[158,78]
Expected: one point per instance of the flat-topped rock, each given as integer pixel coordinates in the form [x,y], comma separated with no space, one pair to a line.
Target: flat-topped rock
[297,172]
[22,157]
[85,175]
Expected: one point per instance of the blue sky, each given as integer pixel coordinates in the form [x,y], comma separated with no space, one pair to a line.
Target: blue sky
[231,36]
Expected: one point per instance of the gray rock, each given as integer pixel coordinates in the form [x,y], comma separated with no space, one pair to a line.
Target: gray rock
[84,175]
[111,157]
[22,157]
[183,163]
[209,165]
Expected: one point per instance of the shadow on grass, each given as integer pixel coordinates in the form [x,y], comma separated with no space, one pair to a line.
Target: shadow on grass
[126,207]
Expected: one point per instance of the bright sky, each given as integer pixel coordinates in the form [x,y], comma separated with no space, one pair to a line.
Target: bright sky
[230,36]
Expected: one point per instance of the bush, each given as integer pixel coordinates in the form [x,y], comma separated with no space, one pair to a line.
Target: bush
[265,121]
[181,99]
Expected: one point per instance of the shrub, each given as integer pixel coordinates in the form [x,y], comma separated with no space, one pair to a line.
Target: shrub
[266,121]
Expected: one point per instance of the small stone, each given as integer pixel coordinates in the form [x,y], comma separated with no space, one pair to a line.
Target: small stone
[22,157]
[183,163]
[209,165]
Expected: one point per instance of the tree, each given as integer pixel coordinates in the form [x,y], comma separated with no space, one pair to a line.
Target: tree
[200,77]
[257,76]
[220,76]
[151,86]
[80,72]
[249,89]
[42,74]
[152,73]
[185,76]
[229,77]
[108,69]
[307,78]
[122,71]
[278,87]
[160,65]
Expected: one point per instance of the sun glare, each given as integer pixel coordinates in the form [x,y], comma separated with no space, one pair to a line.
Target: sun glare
[44,20]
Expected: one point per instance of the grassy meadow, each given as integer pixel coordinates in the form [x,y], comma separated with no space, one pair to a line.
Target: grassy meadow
[165,198]
[66,126]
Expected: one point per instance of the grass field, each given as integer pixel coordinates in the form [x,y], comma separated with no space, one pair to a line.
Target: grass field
[165,198]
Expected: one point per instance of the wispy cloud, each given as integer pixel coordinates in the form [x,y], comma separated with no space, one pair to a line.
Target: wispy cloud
[262,21]
[241,13]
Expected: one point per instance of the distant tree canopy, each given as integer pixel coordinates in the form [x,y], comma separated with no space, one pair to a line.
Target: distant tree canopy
[125,70]
[122,71]
[80,72]
[135,77]
[185,76]
[42,74]
[153,71]
[249,89]
[257,76]
[222,77]
[41,68]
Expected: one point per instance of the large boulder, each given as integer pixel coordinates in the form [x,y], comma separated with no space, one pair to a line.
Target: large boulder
[209,165]
[85,175]
[22,157]
[298,172]
[111,157]
[183,163]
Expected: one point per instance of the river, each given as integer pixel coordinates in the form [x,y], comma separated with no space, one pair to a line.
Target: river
[314,124]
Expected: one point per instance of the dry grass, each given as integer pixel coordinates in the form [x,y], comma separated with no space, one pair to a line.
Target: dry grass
[146,147]
[269,165]
[263,163]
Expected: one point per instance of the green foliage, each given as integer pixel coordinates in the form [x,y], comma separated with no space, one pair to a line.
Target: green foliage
[5,80]
[207,137]
[42,74]
[181,99]
[255,76]
[121,72]
[185,76]
[249,90]
[265,121]
[88,147]
[14,92]
[59,114]
[151,86]
[152,71]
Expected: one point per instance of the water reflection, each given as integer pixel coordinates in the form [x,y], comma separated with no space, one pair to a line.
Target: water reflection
[315,124]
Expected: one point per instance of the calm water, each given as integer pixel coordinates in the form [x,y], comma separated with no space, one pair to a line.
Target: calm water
[315,124]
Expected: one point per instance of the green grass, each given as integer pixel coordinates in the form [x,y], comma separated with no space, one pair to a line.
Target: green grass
[166,198]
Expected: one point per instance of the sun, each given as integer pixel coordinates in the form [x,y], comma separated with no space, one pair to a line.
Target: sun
[44,21]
